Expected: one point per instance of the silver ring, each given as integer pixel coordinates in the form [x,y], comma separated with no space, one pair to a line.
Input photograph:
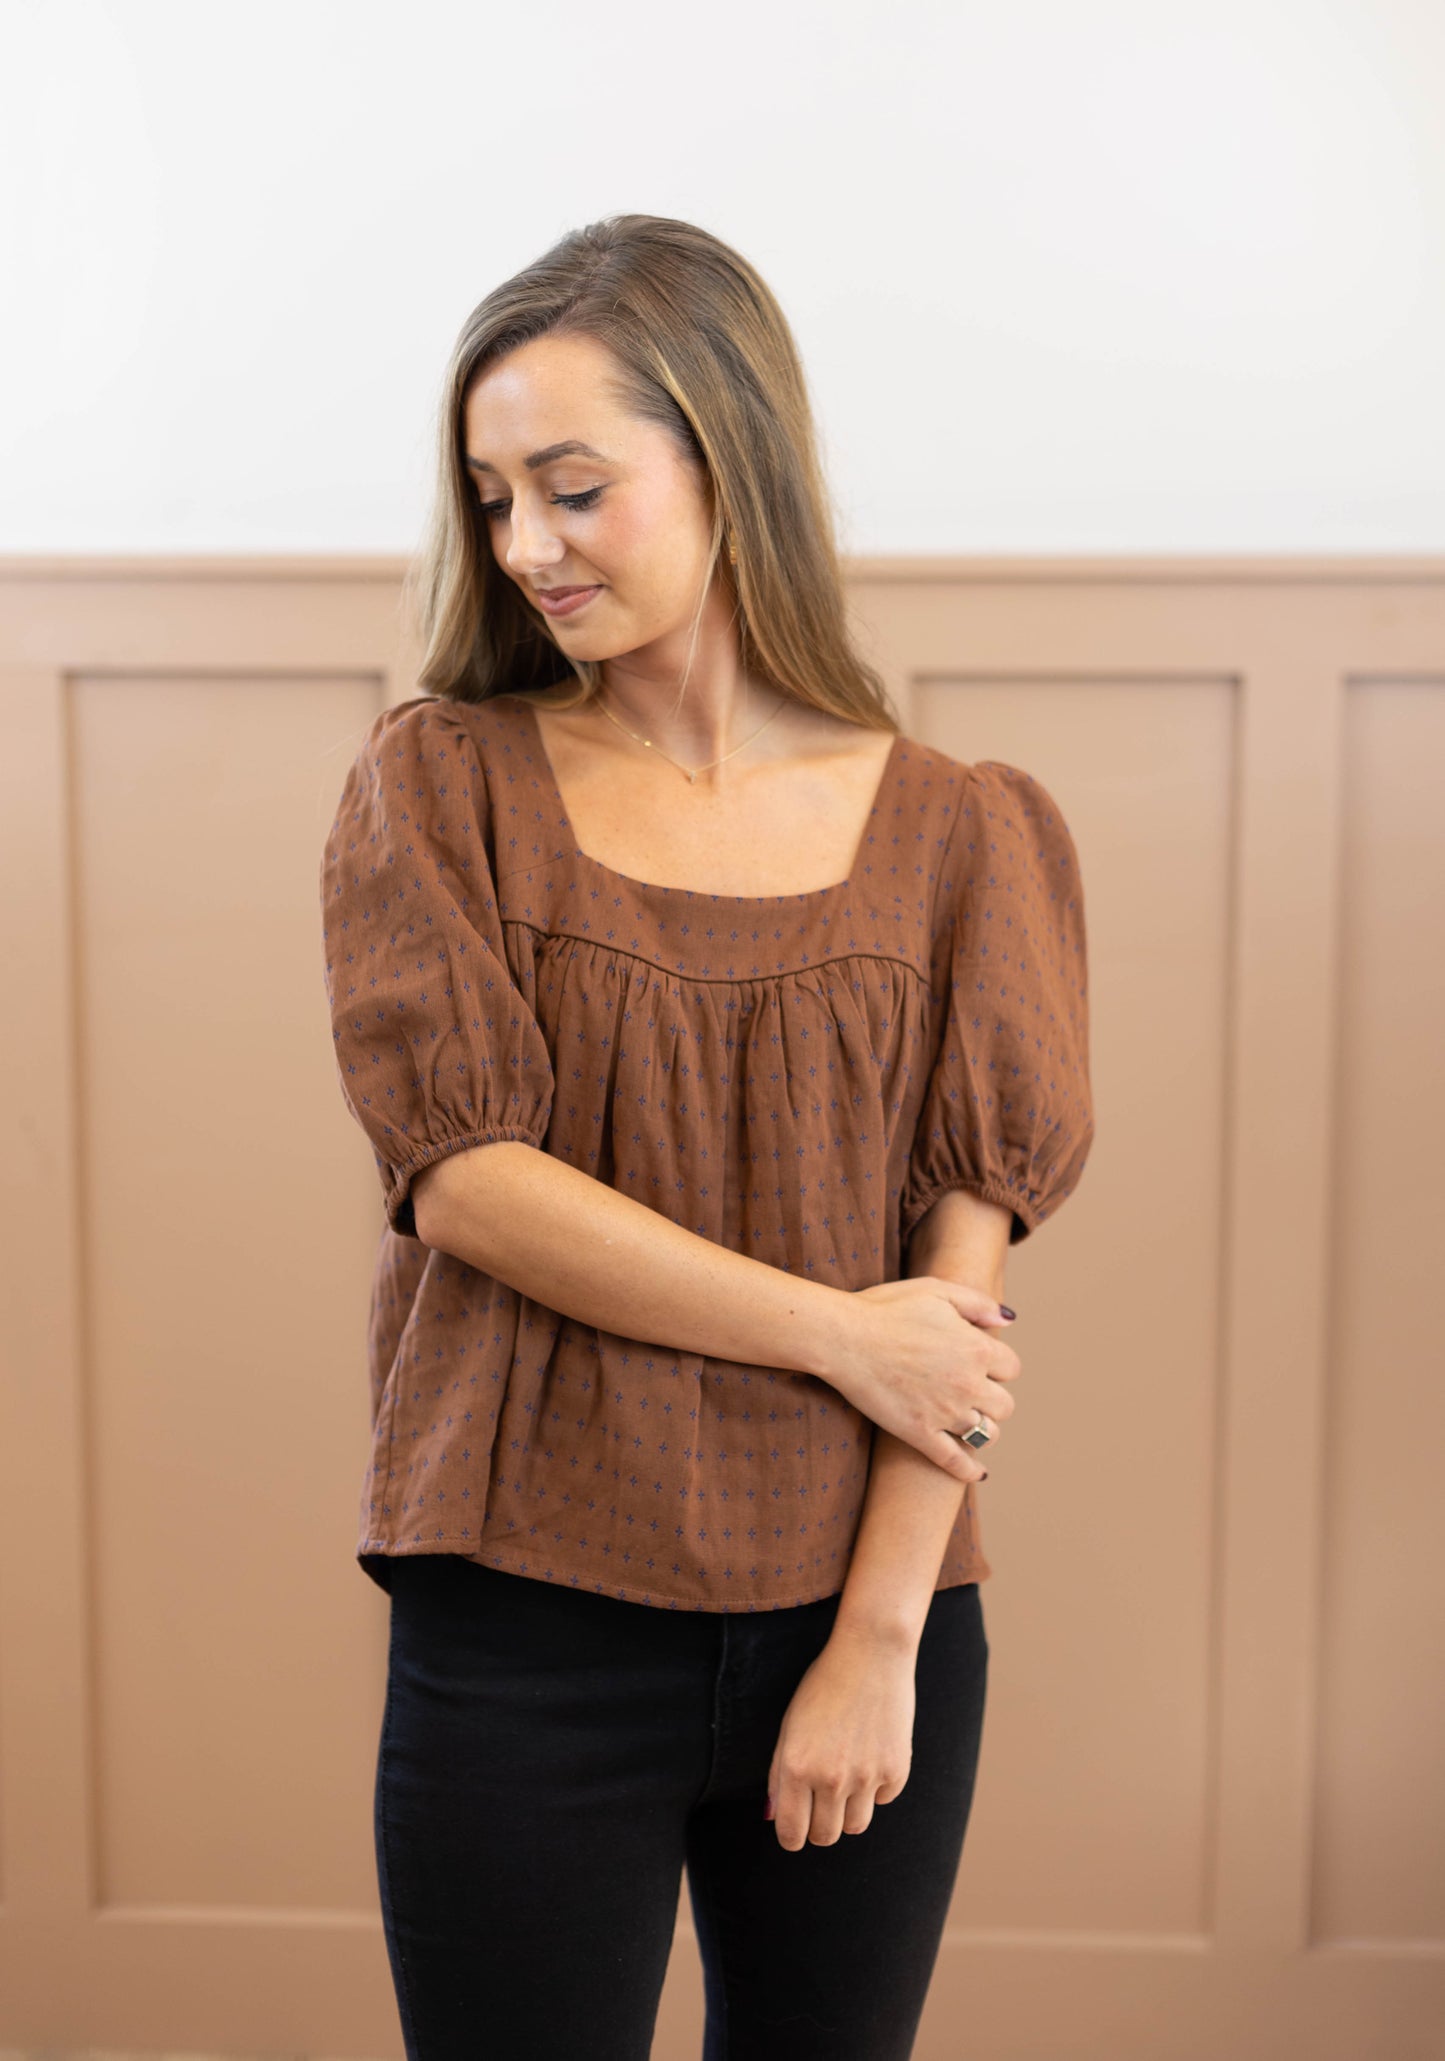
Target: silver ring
[977,1435]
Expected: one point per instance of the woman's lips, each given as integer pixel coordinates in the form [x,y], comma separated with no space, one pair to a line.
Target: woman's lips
[565,600]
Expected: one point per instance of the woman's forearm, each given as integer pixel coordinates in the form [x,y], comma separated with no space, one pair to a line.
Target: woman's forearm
[911,1505]
[586,1250]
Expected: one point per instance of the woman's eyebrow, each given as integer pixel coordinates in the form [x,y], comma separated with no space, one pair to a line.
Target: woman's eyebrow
[572,447]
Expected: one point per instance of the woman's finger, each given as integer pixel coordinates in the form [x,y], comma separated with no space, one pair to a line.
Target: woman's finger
[888,1791]
[859,1814]
[826,1824]
[953,1456]
[793,1810]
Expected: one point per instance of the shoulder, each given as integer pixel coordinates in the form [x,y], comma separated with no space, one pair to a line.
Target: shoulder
[1007,814]
[1012,860]
[997,784]
[974,793]
[433,735]
[404,735]
[435,719]
[426,766]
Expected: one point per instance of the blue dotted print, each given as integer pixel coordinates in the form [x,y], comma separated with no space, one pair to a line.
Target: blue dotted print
[797,1077]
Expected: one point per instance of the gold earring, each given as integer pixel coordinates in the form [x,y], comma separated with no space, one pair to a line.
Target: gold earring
[732,549]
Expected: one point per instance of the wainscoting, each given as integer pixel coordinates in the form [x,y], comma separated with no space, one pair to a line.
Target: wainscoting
[1210,1805]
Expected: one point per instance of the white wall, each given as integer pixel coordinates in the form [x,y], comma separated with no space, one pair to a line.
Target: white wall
[1117,275]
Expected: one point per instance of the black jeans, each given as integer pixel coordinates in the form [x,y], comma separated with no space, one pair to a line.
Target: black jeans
[552,1760]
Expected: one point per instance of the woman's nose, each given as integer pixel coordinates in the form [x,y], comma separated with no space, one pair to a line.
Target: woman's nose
[533,544]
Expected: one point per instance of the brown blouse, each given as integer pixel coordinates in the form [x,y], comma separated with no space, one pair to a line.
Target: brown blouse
[796,1076]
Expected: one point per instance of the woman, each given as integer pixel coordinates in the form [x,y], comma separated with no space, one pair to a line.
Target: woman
[714,1041]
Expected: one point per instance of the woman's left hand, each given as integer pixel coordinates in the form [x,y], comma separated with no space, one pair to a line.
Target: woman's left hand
[846,1742]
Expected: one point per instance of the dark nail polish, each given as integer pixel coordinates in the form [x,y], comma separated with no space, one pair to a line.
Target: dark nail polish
[1006,1311]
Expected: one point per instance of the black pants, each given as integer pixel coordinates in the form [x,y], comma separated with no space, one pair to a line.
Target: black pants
[552,1760]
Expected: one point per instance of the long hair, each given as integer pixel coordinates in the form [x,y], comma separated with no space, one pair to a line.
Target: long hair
[703,349]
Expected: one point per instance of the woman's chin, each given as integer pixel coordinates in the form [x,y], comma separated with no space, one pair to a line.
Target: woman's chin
[593,646]
[589,637]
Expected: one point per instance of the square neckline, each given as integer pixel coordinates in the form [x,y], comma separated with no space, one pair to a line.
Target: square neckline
[807,894]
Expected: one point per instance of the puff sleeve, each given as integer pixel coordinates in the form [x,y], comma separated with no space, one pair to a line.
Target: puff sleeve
[1008,1110]
[437,1045]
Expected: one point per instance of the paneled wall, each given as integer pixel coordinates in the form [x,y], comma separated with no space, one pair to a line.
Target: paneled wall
[1210,1817]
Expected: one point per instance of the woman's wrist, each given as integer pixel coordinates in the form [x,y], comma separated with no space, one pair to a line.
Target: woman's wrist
[876,1637]
[839,1337]
[909,1511]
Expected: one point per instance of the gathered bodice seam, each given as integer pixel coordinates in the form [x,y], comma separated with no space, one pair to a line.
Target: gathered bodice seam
[830,958]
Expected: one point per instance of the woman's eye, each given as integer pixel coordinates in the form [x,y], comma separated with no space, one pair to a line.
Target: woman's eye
[589,499]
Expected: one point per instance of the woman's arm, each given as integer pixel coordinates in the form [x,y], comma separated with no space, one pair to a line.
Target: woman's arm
[845,1741]
[911,1505]
[589,1252]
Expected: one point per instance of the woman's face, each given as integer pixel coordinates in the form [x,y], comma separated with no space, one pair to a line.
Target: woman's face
[628,517]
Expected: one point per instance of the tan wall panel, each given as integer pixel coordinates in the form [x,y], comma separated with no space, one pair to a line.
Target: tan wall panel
[1380,1859]
[218,1377]
[1100,1823]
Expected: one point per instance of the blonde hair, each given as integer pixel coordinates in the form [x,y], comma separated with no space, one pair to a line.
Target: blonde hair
[704,350]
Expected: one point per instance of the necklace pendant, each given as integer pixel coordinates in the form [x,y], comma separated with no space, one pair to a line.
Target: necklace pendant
[647,743]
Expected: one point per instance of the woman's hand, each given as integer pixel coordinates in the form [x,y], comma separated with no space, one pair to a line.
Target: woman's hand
[918,1358]
[846,1741]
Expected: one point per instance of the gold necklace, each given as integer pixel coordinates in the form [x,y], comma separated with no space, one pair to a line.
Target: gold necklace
[691,771]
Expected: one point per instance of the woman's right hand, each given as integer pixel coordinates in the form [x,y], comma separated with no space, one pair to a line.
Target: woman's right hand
[920,1358]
